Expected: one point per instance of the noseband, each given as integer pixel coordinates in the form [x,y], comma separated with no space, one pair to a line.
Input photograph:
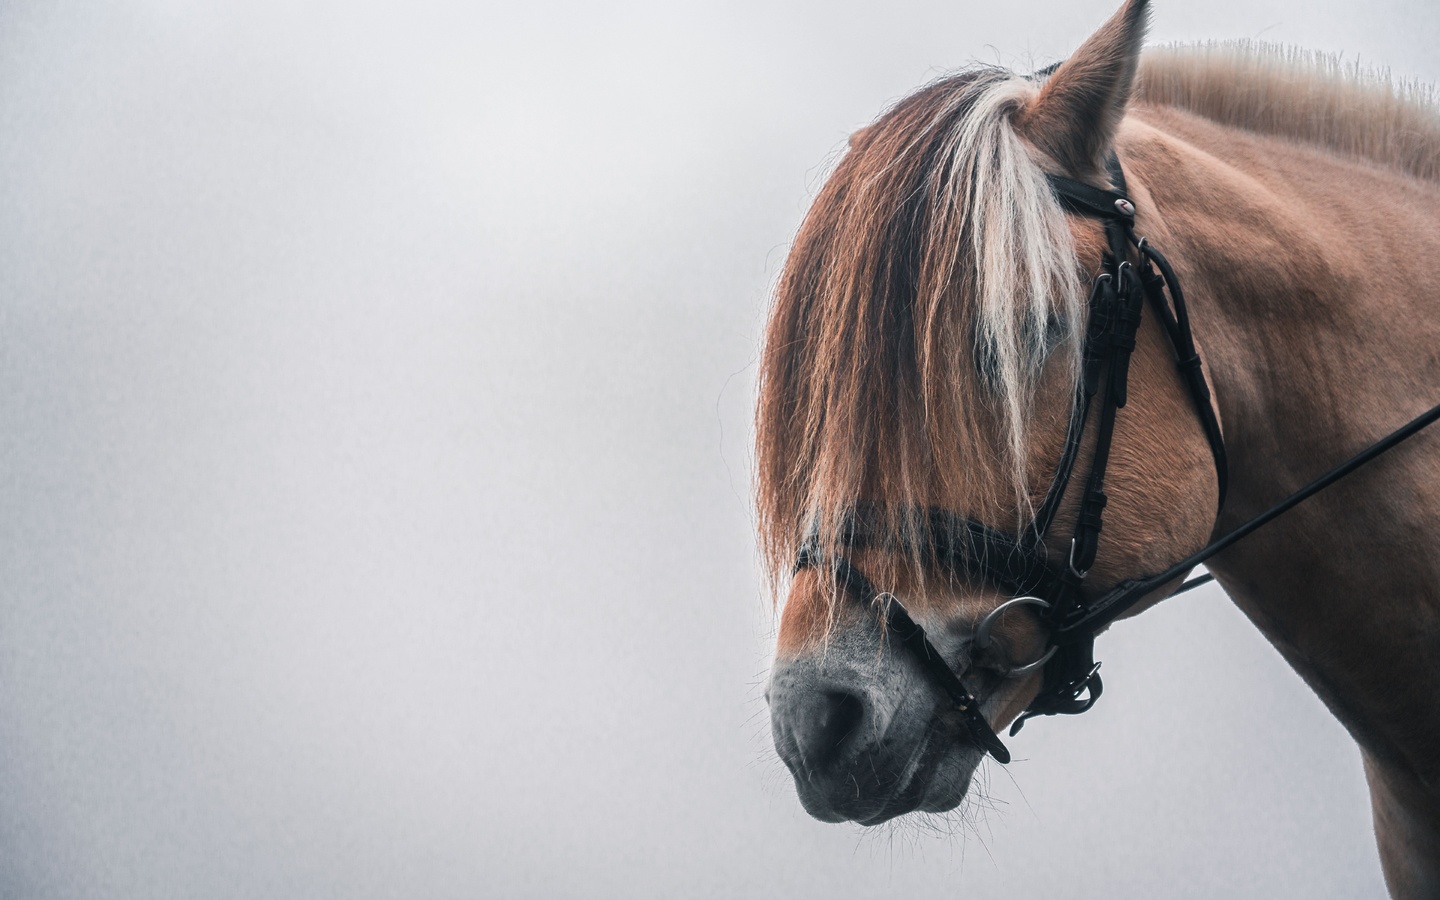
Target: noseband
[969,549]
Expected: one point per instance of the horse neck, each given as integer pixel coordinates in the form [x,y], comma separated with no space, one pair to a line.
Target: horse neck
[1314,285]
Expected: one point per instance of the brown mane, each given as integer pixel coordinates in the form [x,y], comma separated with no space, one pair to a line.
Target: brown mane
[896,368]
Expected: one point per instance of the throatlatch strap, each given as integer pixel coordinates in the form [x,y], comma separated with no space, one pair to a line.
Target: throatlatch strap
[1187,359]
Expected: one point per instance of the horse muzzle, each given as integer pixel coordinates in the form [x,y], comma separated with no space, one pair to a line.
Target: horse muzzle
[866,742]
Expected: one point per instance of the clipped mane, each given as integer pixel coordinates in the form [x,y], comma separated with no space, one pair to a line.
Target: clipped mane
[1307,97]
[932,278]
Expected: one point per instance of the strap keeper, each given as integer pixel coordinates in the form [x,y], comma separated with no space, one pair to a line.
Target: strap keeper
[1092,510]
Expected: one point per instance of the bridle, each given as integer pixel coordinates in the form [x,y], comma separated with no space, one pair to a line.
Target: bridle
[970,549]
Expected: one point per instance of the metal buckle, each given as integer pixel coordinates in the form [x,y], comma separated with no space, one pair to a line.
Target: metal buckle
[1076,687]
[1074,571]
[1120,277]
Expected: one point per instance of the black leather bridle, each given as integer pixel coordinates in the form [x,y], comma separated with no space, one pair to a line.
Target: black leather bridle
[969,549]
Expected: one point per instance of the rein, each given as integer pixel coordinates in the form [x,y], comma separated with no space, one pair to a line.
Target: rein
[971,549]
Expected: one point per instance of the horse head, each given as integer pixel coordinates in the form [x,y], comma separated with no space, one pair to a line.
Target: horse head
[923,354]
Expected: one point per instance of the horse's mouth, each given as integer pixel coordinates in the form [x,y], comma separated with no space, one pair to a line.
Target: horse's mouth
[914,798]
[877,785]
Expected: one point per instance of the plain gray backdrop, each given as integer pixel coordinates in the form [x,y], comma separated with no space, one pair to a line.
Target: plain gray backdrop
[375,389]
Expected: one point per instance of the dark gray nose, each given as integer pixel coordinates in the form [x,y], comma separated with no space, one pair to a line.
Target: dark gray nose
[815,728]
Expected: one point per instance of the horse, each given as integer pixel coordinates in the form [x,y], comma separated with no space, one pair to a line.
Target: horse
[926,355]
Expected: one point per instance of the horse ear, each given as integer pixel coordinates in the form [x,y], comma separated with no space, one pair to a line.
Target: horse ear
[1074,117]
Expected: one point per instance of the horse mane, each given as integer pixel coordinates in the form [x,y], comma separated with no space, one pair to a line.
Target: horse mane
[1304,96]
[931,279]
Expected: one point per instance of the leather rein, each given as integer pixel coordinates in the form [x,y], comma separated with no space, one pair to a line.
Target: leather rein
[966,548]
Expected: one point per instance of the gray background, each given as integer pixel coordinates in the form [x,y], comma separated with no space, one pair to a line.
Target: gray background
[374,447]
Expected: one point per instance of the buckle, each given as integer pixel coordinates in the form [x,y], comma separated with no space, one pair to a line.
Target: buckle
[1078,573]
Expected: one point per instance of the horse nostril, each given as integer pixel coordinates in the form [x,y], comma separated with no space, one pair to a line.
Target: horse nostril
[824,724]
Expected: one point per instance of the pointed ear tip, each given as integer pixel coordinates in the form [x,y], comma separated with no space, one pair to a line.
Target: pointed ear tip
[1133,13]
[1075,112]
[1134,19]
